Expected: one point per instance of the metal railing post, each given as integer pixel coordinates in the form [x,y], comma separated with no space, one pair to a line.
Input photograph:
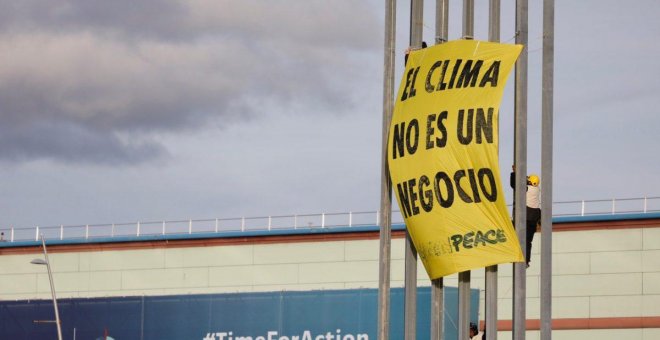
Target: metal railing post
[242,223]
[61,231]
[36,238]
[137,229]
[112,230]
[295,221]
[270,222]
[86,231]
[163,232]
[216,225]
[190,226]
[582,213]
[350,219]
[11,237]
[322,220]
[645,204]
[613,205]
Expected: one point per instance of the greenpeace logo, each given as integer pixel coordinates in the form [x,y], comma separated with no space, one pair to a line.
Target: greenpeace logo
[456,242]
[476,239]
[274,335]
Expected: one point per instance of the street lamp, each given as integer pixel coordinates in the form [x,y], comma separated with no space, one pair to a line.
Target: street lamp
[52,286]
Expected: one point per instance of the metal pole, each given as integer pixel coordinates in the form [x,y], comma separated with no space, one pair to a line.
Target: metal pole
[547,106]
[410,280]
[494,10]
[437,285]
[463,305]
[142,319]
[491,302]
[384,257]
[52,290]
[490,299]
[416,23]
[464,277]
[437,310]
[519,269]
[441,21]
[468,19]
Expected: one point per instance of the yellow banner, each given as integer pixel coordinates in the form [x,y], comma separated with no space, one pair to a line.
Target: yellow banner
[443,156]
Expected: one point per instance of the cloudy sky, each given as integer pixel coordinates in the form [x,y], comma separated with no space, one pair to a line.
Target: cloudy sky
[120,111]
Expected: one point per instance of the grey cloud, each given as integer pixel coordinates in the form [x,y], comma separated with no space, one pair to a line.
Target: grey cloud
[134,70]
[157,18]
[338,23]
[68,142]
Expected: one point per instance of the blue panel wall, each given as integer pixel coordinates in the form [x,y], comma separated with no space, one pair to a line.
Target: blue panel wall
[328,315]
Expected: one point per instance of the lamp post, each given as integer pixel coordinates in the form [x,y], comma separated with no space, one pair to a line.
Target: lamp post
[52,286]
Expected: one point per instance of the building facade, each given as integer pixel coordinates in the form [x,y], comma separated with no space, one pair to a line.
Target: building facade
[606,278]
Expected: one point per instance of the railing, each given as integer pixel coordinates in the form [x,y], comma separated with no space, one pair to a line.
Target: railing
[611,206]
[291,222]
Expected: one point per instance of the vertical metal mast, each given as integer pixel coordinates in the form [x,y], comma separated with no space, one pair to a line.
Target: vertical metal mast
[547,98]
[519,269]
[464,277]
[494,10]
[463,304]
[437,309]
[410,323]
[437,285]
[468,19]
[386,185]
[491,271]
[441,21]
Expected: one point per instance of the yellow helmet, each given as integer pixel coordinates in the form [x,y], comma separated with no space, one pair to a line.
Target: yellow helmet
[533,180]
